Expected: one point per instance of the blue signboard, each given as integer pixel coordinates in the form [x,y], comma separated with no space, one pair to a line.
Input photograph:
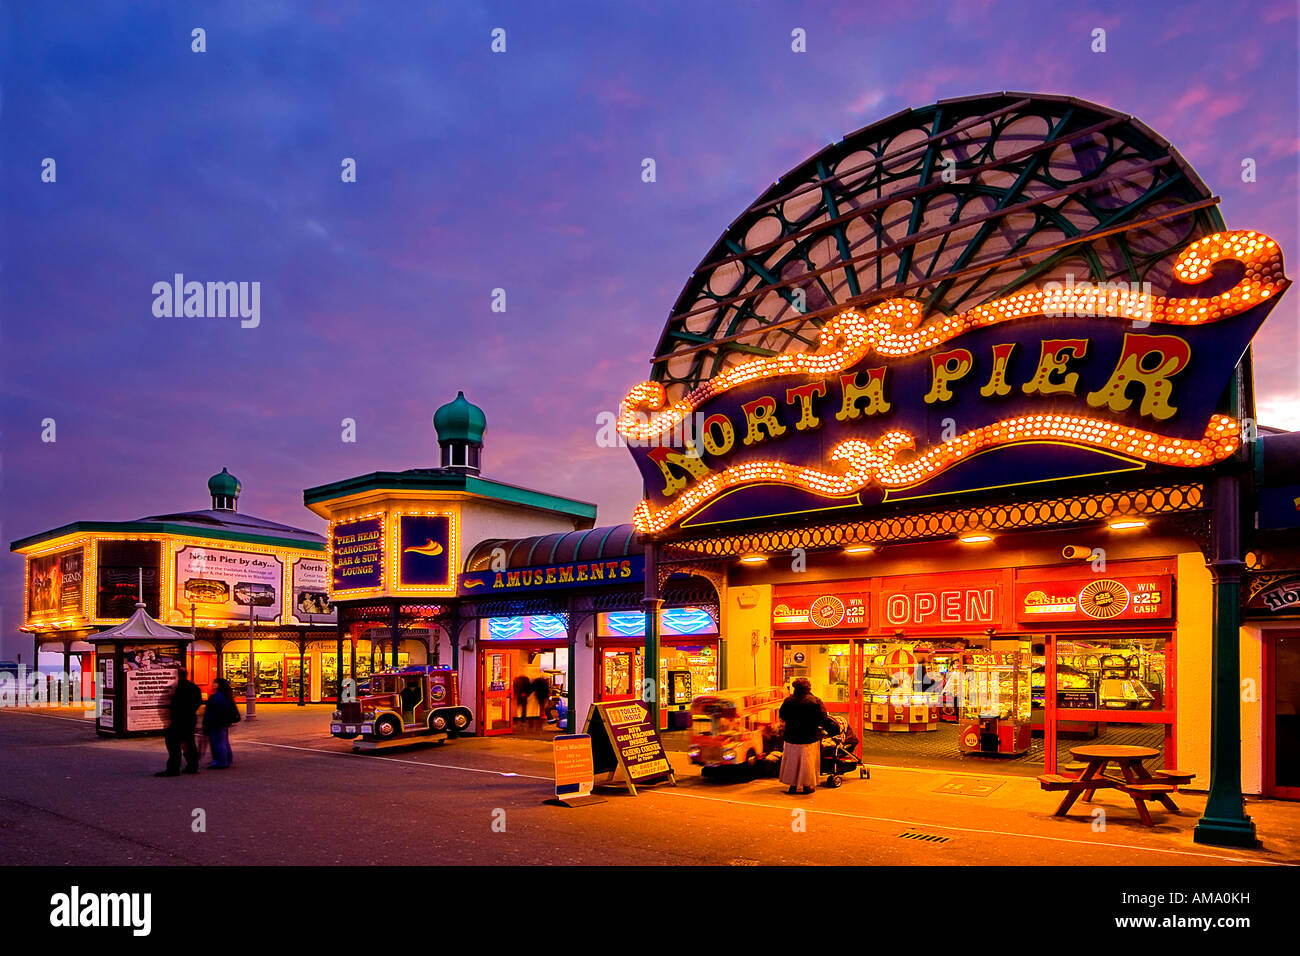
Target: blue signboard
[425,545]
[575,574]
[357,554]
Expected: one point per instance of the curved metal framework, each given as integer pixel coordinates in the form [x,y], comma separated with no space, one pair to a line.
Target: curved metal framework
[955,204]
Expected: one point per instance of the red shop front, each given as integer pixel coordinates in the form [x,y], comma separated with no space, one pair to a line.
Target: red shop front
[959,662]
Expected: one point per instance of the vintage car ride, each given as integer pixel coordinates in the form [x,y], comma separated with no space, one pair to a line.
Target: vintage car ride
[406,702]
[736,727]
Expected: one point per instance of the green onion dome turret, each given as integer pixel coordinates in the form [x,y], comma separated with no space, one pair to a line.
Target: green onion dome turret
[460,425]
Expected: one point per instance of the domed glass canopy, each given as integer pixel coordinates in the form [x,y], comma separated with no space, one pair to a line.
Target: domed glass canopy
[952,205]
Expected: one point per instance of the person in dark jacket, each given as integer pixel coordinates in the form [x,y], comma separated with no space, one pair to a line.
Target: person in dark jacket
[179,735]
[804,717]
[219,715]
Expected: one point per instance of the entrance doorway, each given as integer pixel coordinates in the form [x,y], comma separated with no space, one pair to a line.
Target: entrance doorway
[523,689]
[958,702]
[1282,716]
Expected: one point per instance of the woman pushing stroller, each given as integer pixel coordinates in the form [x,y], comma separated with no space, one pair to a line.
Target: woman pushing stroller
[805,717]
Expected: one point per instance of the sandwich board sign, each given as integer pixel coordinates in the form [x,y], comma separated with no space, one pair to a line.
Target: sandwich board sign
[623,739]
[574,773]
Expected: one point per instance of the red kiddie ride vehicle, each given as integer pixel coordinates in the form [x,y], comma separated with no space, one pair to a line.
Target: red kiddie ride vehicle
[408,702]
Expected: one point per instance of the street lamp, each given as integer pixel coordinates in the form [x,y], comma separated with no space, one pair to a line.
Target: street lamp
[250,688]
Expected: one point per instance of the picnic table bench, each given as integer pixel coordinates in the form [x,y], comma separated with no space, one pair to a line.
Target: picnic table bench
[1134,779]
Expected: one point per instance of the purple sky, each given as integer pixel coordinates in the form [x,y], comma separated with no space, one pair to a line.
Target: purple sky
[477,171]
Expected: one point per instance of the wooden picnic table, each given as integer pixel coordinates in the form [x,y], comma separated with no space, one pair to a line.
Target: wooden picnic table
[1134,778]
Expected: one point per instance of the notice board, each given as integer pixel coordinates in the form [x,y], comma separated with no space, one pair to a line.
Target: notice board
[624,740]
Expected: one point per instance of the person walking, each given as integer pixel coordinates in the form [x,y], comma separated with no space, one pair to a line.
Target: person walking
[179,736]
[220,714]
[804,717]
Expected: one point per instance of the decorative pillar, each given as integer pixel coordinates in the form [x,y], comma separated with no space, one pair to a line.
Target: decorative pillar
[302,672]
[652,602]
[396,623]
[1225,822]
[339,627]
[571,692]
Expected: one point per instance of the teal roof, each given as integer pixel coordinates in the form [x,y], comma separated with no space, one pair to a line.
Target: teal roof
[460,420]
[437,479]
[198,524]
[224,484]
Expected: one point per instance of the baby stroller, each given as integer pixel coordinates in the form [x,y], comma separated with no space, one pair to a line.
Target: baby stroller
[837,756]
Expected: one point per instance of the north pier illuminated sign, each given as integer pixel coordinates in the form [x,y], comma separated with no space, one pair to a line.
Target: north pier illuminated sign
[1044,384]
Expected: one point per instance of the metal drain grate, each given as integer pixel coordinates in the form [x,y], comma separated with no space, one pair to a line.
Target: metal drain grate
[924,837]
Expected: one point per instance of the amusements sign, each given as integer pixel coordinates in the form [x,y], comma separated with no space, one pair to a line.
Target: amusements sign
[311,598]
[629,570]
[151,675]
[54,584]
[225,585]
[826,611]
[1046,383]
[357,550]
[623,738]
[424,545]
[1135,598]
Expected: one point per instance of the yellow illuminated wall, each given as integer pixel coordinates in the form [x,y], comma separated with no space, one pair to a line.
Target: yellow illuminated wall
[170,545]
[747,627]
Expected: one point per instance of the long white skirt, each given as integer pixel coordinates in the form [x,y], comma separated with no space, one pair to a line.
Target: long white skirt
[800,764]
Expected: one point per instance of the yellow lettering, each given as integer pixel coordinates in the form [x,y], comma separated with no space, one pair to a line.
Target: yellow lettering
[721,445]
[997,383]
[1150,361]
[760,414]
[804,396]
[689,461]
[945,368]
[873,391]
[1053,360]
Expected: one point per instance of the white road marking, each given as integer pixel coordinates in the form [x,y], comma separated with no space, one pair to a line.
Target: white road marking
[417,763]
[28,713]
[945,826]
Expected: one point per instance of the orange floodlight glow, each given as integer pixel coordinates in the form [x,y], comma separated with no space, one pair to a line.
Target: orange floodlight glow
[1126,524]
[896,328]
[868,461]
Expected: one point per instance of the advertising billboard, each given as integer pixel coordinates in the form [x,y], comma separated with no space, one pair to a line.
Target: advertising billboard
[54,584]
[357,554]
[310,592]
[424,549]
[1099,598]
